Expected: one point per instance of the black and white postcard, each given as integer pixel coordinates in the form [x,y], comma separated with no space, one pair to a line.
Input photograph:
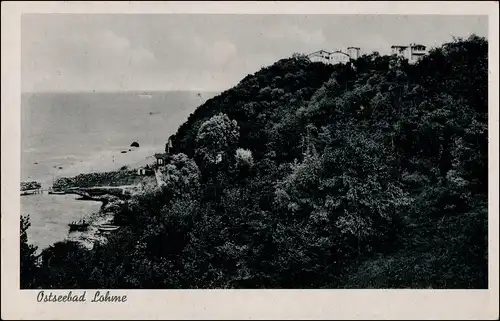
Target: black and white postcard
[249,160]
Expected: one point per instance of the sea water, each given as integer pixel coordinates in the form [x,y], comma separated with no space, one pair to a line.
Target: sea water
[64,134]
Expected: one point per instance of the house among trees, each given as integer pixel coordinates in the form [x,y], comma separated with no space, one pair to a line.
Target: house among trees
[414,52]
[353,52]
[161,158]
[335,57]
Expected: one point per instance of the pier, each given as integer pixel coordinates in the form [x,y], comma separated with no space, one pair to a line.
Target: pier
[32,191]
[85,192]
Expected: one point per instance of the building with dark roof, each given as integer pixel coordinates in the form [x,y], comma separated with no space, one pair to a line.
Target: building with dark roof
[161,158]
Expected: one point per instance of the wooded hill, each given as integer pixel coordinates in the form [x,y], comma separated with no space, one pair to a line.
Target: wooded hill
[306,175]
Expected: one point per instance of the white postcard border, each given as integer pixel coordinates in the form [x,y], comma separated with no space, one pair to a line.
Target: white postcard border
[240,304]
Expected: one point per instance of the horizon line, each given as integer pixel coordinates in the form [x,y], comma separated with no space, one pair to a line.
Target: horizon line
[119,91]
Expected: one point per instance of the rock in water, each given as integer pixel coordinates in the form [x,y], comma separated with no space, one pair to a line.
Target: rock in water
[134,144]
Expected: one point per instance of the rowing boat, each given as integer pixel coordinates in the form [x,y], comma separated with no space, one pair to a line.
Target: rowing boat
[107,227]
[57,192]
[78,226]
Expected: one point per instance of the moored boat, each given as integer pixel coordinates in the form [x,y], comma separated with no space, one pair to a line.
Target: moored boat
[57,192]
[78,226]
[107,227]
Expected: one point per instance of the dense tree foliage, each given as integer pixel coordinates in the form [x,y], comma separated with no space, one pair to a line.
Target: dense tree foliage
[30,185]
[370,174]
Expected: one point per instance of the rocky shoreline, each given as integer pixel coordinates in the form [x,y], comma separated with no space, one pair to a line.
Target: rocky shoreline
[105,215]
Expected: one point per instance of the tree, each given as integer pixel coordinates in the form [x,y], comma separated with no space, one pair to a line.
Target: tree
[28,260]
[217,137]
[243,161]
[180,176]
[300,56]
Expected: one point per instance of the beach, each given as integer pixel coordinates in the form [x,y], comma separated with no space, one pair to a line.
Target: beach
[50,214]
[66,134]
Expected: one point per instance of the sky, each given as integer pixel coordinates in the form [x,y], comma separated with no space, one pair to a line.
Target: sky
[203,52]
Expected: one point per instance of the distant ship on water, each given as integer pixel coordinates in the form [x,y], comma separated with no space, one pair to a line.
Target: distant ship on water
[145,95]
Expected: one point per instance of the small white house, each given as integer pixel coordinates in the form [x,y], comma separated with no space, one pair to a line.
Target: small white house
[335,57]
[141,171]
[414,52]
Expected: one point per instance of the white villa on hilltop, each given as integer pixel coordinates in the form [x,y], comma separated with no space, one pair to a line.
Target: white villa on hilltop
[335,57]
[413,52]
